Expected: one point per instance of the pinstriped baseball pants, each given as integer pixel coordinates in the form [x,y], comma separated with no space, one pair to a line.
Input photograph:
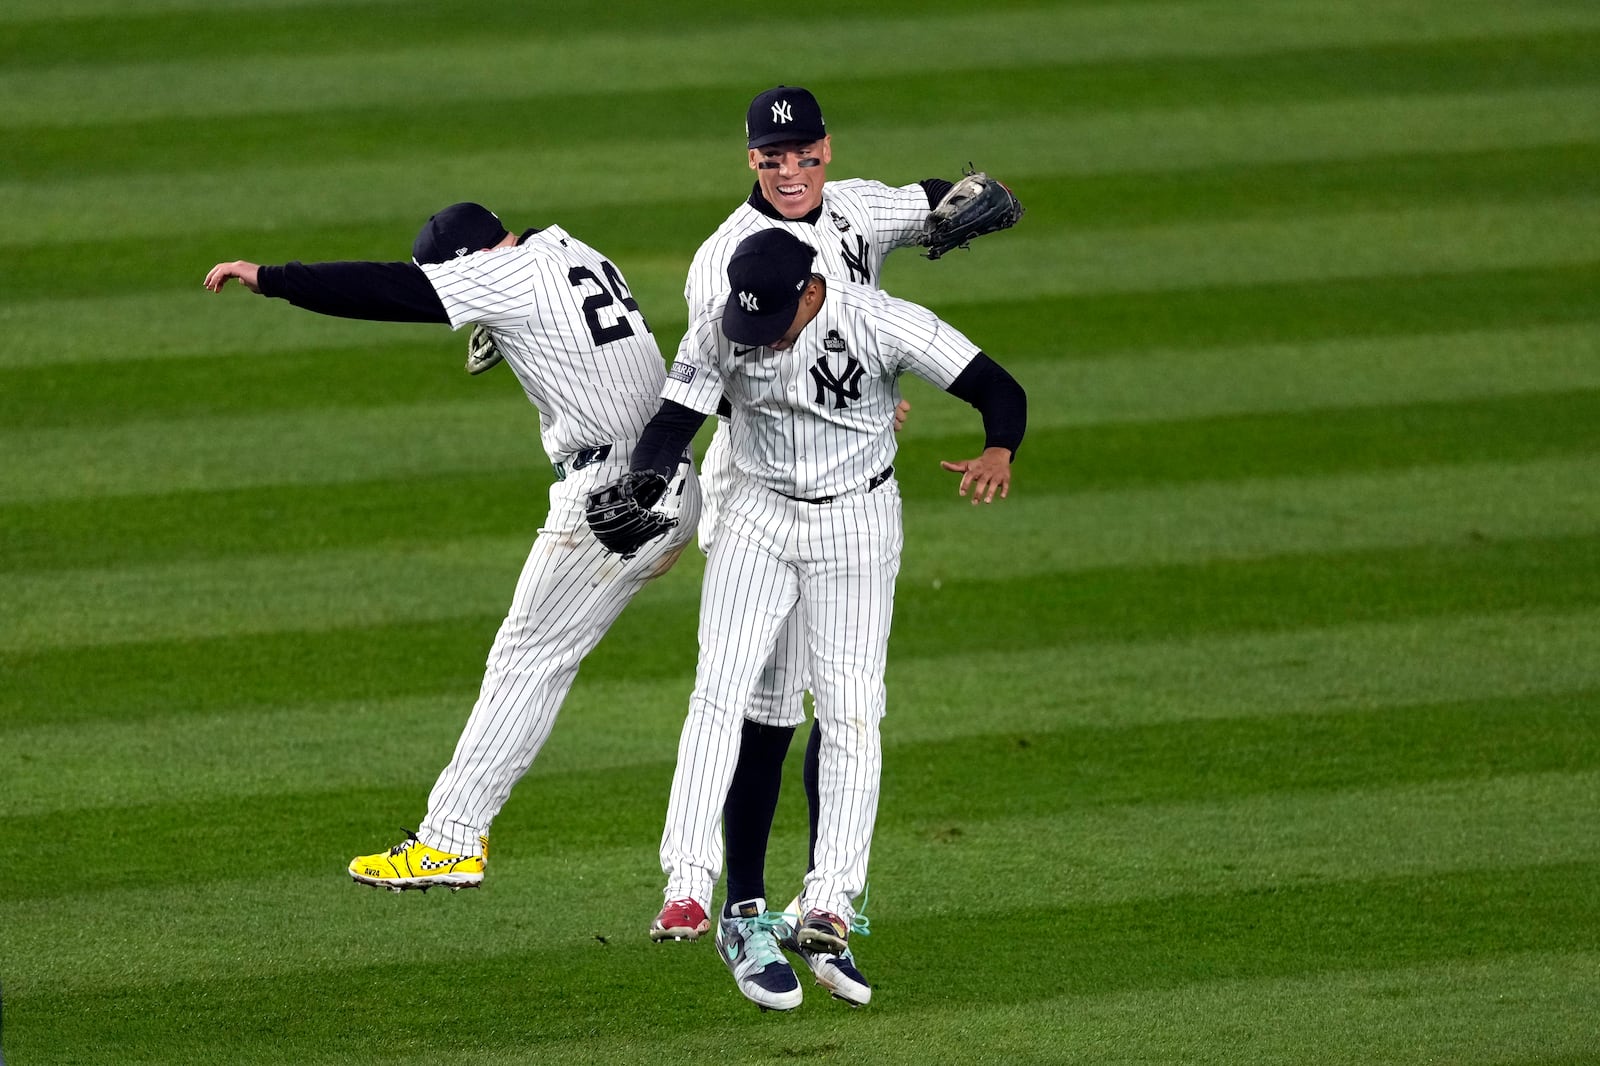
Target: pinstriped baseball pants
[570,591]
[833,566]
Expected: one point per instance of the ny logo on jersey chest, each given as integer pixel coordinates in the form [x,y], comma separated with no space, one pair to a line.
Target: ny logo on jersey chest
[843,385]
[856,259]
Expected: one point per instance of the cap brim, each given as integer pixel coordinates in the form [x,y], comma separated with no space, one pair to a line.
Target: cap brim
[741,327]
[786,137]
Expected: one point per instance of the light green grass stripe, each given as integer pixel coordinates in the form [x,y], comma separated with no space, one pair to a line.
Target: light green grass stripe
[1252,519]
[1259,379]
[312,445]
[1302,248]
[1042,535]
[1530,1008]
[66,10]
[720,56]
[1274,841]
[1147,851]
[609,722]
[190,322]
[327,447]
[337,193]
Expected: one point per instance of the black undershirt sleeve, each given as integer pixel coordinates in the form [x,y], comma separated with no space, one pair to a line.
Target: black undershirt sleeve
[378,292]
[935,188]
[986,385]
[669,432]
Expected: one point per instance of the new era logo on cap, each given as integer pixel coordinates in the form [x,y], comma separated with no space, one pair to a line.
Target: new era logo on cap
[787,113]
[455,231]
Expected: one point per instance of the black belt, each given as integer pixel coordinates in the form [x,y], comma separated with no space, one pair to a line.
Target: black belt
[579,460]
[877,480]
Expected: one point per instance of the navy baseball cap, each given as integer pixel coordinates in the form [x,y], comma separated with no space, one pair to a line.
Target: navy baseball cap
[457,230]
[767,274]
[784,114]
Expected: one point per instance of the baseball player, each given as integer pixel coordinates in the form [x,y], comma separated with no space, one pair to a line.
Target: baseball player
[809,535]
[562,316]
[854,225]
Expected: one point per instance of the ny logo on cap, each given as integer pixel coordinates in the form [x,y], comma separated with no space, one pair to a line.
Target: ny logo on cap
[748,301]
[781,112]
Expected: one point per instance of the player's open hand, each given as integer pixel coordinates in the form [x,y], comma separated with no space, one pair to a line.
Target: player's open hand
[245,272]
[901,410]
[984,476]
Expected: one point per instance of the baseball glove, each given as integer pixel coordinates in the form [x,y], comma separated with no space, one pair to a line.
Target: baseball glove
[619,513]
[975,205]
[481,351]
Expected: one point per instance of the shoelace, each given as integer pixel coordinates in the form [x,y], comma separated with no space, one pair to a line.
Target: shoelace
[405,845]
[860,923]
[764,948]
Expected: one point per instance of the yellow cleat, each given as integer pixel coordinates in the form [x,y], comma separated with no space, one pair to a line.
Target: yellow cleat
[412,864]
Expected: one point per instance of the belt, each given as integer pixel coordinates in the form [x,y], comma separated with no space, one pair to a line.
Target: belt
[579,460]
[877,480]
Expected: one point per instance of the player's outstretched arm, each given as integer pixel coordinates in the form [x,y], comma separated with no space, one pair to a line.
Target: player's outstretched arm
[984,476]
[986,385]
[247,273]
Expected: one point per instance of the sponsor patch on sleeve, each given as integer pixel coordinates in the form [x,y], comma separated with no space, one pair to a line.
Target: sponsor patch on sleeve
[681,372]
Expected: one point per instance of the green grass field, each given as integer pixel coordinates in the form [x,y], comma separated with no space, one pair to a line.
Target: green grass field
[1260,725]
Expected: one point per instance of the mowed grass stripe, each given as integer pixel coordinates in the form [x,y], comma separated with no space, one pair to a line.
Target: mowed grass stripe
[1203,318]
[237,753]
[1301,443]
[1127,526]
[450,623]
[1206,318]
[1202,777]
[155,32]
[1123,852]
[323,446]
[1042,261]
[1048,90]
[1150,140]
[1111,679]
[707,54]
[1149,386]
[1080,204]
[526,993]
[365,586]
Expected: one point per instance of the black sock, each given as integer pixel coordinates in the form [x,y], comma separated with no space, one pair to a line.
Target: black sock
[813,796]
[751,803]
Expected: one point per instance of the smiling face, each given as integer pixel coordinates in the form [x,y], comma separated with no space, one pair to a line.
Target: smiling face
[791,174]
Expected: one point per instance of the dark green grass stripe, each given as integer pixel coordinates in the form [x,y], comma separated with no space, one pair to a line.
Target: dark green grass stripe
[927,787]
[1269,190]
[169,527]
[139,530]
[384,375]
[1083,202]
[1064,770]
[98,394]
[1038,611]
[572,987]
[563,120]
[330,29]
[1298,444]
[1287,312]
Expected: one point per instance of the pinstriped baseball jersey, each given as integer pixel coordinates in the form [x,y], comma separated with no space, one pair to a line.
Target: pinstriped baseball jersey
[817,419]
[564,319]
[861,223]
[567,324]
